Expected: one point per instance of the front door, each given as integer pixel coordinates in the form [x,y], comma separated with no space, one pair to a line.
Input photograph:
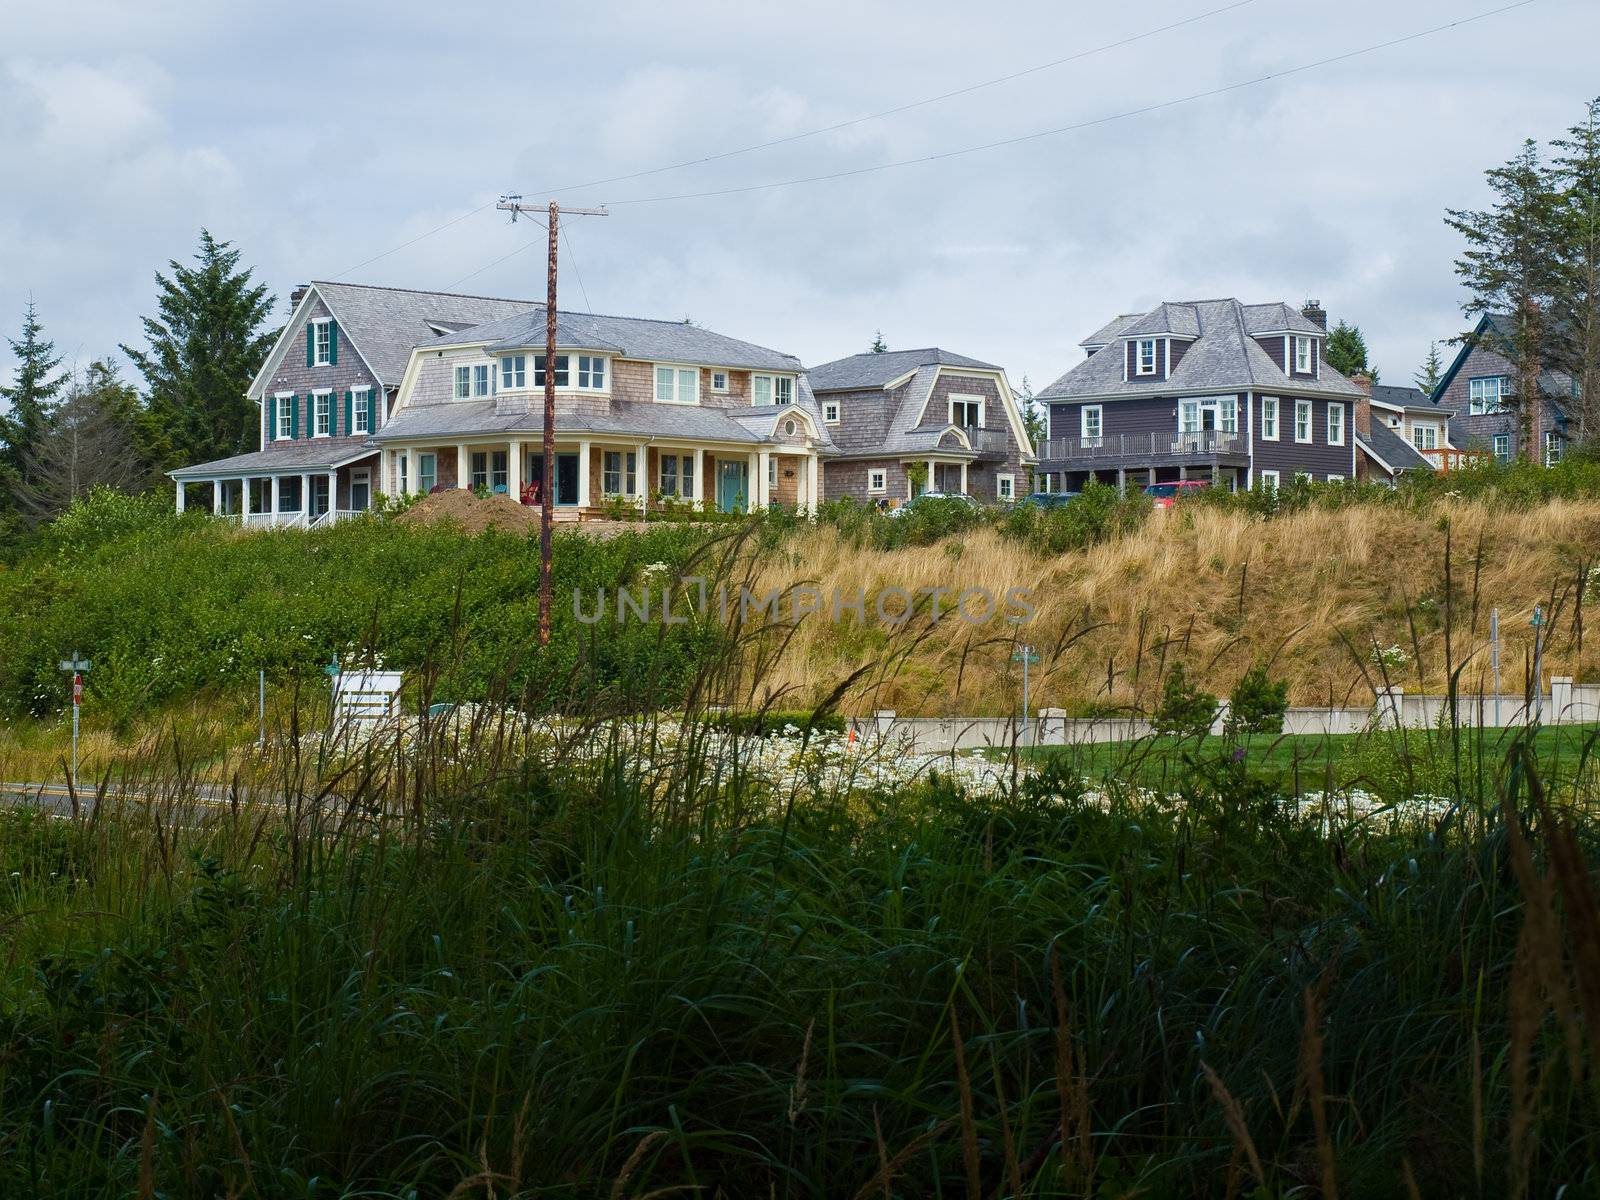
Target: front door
[360,490]
[566,478]
[947,478]
[733,486]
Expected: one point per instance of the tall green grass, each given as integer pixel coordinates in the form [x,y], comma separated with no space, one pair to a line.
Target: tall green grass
[493,965]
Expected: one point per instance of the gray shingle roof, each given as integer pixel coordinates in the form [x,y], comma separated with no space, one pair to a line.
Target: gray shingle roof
[461,418]
[289,457]
[1223,357]
[1111,330]
[385,323]
[631,337]
[1393,449]
[861,371]
[1399,397]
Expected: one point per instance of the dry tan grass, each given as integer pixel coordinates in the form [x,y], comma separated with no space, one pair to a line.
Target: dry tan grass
[1310,592]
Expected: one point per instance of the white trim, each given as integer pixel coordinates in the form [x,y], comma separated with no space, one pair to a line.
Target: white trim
[1277,419]
[360,402]
[316,324]
[772,378]
[319,394]
[1300,340]
[677,378]
[725,378]
[1311,423]
[883,481]
[1269,477]
[1335,478]
[1333,407]
[1099,420]
[1001,482]
[1139,344]
[964,398]
[1008,400]
[837,412]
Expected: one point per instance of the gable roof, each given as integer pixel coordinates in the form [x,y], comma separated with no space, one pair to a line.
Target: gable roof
[1399,396]
[1553,385]
[630,337]
[1391,451]
[1223,355]
[863,371]
[385,323]
[1110,331]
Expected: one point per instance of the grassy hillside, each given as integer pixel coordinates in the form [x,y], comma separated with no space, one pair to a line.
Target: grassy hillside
[1309,592]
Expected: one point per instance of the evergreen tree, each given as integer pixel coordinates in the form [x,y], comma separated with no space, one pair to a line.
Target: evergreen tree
[29,400]
[1432,371]
[1575,175]
[204,348]
[1347,351]
[879,346]
[88,444]
[1511,266]
[1032,415]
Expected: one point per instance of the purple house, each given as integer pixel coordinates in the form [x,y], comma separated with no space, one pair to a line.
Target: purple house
[1214,389]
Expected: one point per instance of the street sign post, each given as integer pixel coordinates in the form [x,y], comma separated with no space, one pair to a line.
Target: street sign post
[77,666]
[1026,656]
[1494,659]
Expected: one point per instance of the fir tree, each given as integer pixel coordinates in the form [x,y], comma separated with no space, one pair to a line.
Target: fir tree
[1575,175]
[1511,267]
[29,402]
[1431,372]
[879,346]
[204,349]
[1347,351]
[1032,415]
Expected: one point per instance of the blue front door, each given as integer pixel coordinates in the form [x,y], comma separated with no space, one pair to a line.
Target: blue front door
[733,486]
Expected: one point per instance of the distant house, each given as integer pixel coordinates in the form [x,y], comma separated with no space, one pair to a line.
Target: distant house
[325,390]
[1237,393]
[1397,431]
[1479,388]
[908,421]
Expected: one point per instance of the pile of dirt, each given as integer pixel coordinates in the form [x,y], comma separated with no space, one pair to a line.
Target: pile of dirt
[473,514]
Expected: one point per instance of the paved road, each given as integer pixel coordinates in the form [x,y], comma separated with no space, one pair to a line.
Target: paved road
[56,799]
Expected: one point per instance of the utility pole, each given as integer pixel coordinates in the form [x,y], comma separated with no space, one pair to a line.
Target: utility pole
[514,205]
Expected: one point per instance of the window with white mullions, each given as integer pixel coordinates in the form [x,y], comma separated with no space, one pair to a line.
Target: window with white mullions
[1092,424]
[1269,418]
[1487,395]
[1147,357]
[966,412]
[1207,414]
[322,405]
[513,372]
[677,385]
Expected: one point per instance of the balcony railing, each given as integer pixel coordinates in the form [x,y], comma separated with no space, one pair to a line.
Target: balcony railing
[986,441]
[1449,459]
[1141,446]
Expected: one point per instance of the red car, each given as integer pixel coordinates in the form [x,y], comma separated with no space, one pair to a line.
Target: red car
[1165,495]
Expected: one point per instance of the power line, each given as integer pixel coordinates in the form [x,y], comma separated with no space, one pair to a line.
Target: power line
[900,108]
[450,287]
[415,240]
[1105,120]
[575,269]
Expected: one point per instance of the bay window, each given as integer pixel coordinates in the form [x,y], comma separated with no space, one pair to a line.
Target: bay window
[513,372]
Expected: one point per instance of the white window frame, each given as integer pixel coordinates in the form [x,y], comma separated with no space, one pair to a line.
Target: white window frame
[513,372]
[1303,350]
[1335,406]
[877,481]
[482,380]
[1005,487]
[1269,479]
[1554,447]
[1097,436]
[1196,406]
[719,381]
[1494,447]
[563,372]
[461,385]
[1271,409]
[360,410]
[964,399]
[679,375]
[830,412]
[1425,437]
[1139,367]
[1479,404]
[284,414]
[589,366]
[1303,408]
[427,456]
[1335,478]
[772,385]
[322,414]
[322,342]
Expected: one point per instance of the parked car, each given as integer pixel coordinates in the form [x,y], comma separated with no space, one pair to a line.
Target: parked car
[1165,495]
[1047,499]
[927,499]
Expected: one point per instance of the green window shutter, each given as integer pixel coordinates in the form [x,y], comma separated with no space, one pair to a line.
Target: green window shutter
[311,343]
[311,415]
[349,413]
[333,342]
[294,416]
[372,410]
[269,414]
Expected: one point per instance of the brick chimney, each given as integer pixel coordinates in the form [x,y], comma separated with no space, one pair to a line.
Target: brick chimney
[297,295]
[1364,405]
[1314,313]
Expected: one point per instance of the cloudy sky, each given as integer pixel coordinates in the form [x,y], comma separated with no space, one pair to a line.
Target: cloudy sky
[319,140]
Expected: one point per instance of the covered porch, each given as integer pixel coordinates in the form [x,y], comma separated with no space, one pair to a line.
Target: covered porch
[591,476]
[261,493]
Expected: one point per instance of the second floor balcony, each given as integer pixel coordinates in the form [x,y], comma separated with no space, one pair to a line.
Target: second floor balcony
[1140,448]
[987,441]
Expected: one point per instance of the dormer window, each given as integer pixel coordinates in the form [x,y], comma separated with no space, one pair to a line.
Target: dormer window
[322,343]
[1302,356]
[677,385]
[771,389]
[966,412]
[1147,356]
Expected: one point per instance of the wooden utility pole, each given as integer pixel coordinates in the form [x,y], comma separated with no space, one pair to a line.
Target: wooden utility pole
[514,205]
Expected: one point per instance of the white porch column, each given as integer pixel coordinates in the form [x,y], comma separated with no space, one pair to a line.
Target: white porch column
[180,495]
[963,479]
[699,492]
[333,491]
[583,474]
[814,481]
[305,495]
[461,464]
[413,475]
[642,479]
[514,472]
[277,501]
[216,497]
[751,491]
[244,499]
[762,490]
